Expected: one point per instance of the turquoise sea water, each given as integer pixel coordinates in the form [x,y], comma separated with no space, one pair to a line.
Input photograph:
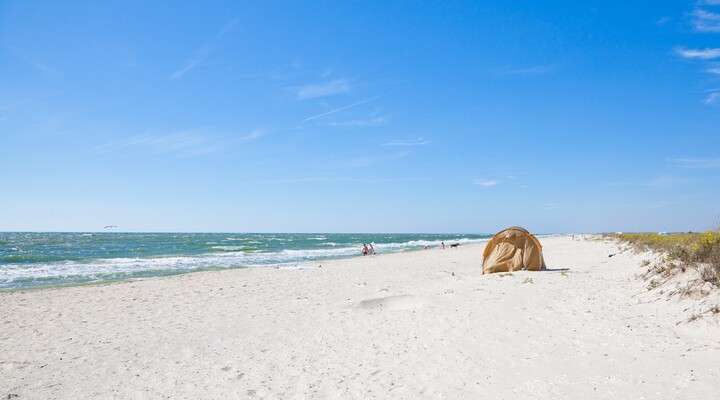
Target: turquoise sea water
[48,259]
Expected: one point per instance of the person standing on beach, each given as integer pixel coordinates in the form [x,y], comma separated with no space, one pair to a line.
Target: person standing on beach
[372,249]
[365,249]
[443,245]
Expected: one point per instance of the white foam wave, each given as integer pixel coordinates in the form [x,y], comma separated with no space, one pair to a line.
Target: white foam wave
[117,268]
[229,248]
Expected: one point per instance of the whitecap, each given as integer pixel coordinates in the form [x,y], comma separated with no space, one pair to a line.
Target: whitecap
[11,275]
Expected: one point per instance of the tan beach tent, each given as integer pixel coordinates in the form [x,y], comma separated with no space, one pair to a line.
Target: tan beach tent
[513,249]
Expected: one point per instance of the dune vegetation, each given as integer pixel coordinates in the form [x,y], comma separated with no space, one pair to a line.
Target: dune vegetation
[699,250]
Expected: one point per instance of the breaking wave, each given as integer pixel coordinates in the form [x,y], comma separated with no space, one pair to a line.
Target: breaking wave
[36,268]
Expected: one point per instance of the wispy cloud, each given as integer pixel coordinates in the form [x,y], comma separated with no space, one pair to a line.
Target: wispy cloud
[665,181]
[663,20]
[325,89]
[256,134]
[186,143]
[227,28]
[47,70]
[527,71]
[551,206]
[376,121]
[485,182]
[705,21]
[700,163]
[201,55]
[712,97]
[408,143]
[337,110]
[198,58]
[341,180]
[367,161]
[701,54]
[621,184]
[658,204]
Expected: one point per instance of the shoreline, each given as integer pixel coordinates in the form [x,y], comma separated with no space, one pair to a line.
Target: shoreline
[420,324]
[298,265]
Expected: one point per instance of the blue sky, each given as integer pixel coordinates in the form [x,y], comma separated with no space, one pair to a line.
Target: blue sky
[561,116]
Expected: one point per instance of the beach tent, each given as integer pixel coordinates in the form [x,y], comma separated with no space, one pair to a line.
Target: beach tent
[513,249]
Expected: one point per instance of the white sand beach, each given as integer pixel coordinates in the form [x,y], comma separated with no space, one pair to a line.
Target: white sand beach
[415,325]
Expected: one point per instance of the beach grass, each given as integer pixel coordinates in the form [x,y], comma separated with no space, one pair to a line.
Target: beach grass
[693,249]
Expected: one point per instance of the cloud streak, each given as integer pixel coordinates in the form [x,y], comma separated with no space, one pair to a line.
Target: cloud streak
[527,71]
[407,143]
[366,161]
[185,143]
[712,98]
[665,182]
[325,89]
[699,54]
[337,110]
[485,182]
[377,121]
[706,21]
[699,163]
[551,206]
[340,180]
[202,54]
[662,21]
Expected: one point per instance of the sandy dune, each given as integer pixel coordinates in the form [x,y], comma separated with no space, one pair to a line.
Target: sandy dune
[420,325]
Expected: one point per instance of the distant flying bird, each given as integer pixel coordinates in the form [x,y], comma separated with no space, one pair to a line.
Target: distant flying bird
[109,226]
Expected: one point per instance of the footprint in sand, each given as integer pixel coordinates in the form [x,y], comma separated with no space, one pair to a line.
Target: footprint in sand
[401,302]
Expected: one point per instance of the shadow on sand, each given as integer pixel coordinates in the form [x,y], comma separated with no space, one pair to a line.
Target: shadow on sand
[555,270]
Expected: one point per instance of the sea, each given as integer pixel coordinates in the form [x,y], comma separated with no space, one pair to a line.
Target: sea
[30,260]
